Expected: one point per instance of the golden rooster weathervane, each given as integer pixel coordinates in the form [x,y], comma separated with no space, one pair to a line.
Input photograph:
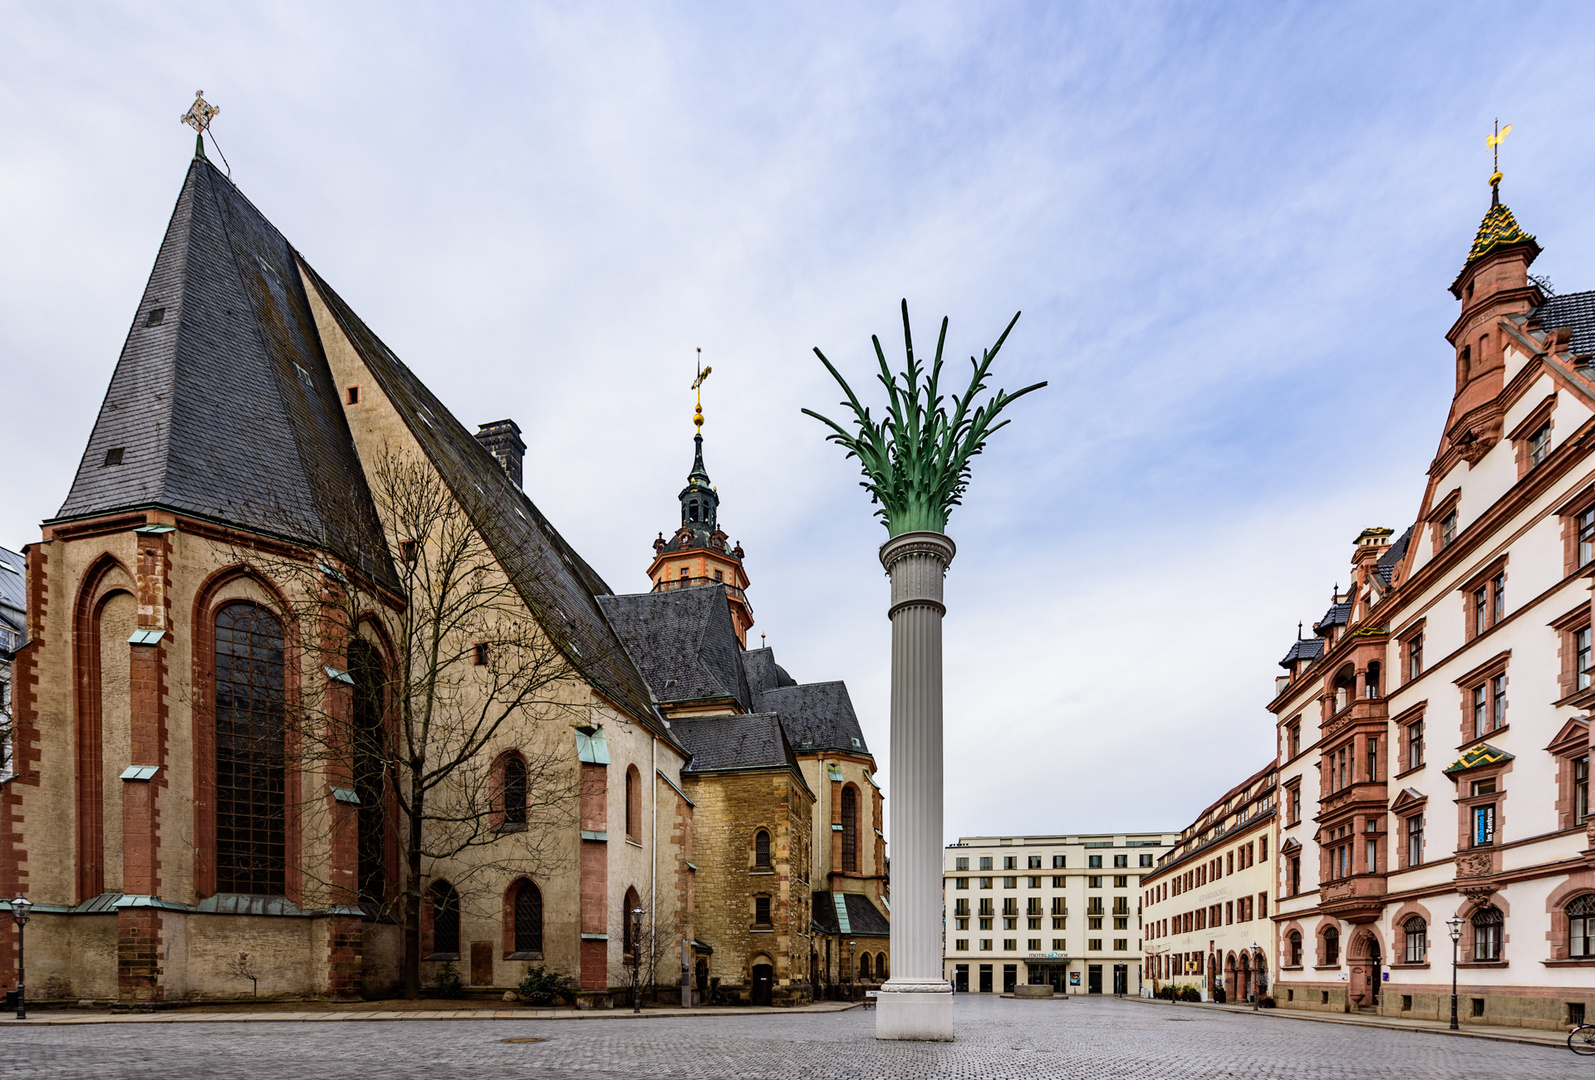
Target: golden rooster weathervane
[1494,143]
[198,117]
[697,384]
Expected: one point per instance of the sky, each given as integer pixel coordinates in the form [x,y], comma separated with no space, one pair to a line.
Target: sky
[1229,228]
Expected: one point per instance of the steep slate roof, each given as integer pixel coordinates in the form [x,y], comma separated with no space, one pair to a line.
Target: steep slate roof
[1310,649]
[13,600]
[734,743]
[863,917]
[554,581]
[1386,566]
[1575,310]
[817,716]
[683,642]
[762,672]
[1337,615]
[226,408]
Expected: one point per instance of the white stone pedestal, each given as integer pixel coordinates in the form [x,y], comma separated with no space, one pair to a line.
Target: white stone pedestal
[916,1002]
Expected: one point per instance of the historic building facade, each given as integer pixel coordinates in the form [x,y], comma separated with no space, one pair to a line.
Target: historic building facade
[1058,910]
[215,629]
[13,631]
[1207,903]
[1434,732]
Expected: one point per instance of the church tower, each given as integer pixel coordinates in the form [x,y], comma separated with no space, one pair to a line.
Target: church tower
[696,554]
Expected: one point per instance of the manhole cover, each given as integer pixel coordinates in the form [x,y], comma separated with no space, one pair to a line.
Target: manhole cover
[524,1038]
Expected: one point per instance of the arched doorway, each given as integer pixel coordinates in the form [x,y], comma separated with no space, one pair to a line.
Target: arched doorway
[1231,979]
[763,983]
[701,976]
[1244,974]
[1367,971]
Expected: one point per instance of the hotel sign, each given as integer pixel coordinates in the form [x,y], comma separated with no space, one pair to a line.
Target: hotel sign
[1047,956]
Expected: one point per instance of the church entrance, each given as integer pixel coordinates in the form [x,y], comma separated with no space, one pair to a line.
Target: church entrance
[701,973]
[763,982]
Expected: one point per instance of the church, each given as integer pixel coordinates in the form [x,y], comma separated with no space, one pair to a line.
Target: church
[315,702]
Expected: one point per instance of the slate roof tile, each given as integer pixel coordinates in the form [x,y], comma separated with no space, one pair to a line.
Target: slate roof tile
[817,716]
[1574,310]
[683,642]
[729,743]
[864,918]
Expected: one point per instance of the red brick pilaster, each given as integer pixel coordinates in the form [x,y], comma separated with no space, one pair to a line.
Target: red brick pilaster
[344,957]
[147,676]
[594,877]
[26,753]
[139,953]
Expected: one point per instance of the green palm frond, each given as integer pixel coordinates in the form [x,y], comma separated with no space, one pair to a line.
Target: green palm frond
[916,460]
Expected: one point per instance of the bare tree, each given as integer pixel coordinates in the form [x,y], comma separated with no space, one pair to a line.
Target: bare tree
[242,966]
[431,679]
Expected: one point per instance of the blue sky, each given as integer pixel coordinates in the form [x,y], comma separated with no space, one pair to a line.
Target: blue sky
[1229,227]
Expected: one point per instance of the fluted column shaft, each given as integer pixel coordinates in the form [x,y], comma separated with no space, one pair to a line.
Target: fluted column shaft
[917,564]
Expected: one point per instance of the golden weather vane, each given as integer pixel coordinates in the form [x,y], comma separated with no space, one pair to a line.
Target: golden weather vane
[1494,143]
[198,117]
[697,384]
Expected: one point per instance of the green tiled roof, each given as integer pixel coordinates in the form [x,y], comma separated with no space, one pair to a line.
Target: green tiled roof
[1476,755]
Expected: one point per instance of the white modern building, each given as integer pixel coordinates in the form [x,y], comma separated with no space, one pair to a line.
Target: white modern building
[1060,909]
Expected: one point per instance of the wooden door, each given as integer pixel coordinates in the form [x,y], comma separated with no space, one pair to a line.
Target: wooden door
[481,963]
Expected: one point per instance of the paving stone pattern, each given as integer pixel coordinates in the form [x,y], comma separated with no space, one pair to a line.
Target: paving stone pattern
[1100,1038]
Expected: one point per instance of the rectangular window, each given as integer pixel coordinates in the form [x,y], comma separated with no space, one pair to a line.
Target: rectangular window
[1010,905]
[1415,840]
[1010,924]
[1034,862]
[761,910]
[1034,882]
[985,862]
[1058,862]
[1586,537]
[1057,944]
[1033,906]
[1121,881]
[1295,805]
[1057,923]
[1540,444]
[1010,944]
[961,863]
[1373,761]
[985,944]
[961,924]
[986,908]
[1497,598]
[1093,944]
[1057,905]
[985,883]
[1033,944]
[1146,860]
[1010,883]
[961,906]
[961,945]
[1414,656]
[1486,946]
[1415,744]
[1094,881]
[1093,862]
[1295,738]
[1010,862]
[1121,861]
[961,883]
[1448,530]
[1580,789]
[1373,856]
[1121,924]
[1033,924]
[1581,658]
[1498,701]
[1121,944]
[1481,711]
[985,924]
[1481,610]
[1057,882]
[1484,825]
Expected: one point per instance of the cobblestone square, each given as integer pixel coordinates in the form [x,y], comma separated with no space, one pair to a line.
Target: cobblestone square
[1095,1038]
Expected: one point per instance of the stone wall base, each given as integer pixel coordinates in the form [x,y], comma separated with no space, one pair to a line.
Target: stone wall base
[1539,1007]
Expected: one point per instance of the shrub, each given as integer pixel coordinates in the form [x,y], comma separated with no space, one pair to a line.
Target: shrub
[1190,993]
[447,984]
[544,987]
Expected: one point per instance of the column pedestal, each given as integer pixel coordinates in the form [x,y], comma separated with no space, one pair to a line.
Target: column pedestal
[916,1002]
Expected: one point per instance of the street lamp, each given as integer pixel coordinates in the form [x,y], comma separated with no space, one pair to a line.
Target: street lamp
[19,914]
[636,959]
[1454,924]
[852,956]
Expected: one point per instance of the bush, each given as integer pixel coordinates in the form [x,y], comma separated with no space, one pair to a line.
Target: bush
[1190,993]
[544,987]
[447,984]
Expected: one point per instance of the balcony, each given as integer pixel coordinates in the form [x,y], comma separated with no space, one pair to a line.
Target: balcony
[1356,899]
[694,582]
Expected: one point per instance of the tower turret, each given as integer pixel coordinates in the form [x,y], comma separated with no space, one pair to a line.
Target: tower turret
[697,554]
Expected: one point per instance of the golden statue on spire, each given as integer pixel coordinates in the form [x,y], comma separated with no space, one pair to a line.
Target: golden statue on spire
[697,384]
[1494,143]
[200,114]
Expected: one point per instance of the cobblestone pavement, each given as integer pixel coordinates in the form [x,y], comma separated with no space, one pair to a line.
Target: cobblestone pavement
[1100,1038]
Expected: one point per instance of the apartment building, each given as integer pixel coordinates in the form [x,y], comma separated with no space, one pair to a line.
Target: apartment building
[1063,910]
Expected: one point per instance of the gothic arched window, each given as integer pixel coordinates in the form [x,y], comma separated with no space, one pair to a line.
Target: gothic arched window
[370,756]
[761,849]
[251,832]
[629,933]
[528,918]
[850,829]
[515,790]
[633,803]
[1581,926]
[864,968]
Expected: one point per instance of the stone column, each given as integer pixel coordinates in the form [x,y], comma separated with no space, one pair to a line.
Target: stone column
[917,1002]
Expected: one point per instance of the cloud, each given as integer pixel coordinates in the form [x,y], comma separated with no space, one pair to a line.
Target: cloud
[1229,230]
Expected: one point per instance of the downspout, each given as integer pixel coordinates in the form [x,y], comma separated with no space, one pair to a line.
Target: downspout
[653,869]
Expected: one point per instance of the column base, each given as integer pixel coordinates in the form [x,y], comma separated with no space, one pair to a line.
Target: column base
[921,1015]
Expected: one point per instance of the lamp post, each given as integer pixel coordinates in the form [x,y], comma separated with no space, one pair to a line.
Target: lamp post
[636,959]
[1454,925]
[19,914]
[852,957]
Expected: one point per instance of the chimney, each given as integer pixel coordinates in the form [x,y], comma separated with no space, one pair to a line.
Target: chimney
[502,438]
